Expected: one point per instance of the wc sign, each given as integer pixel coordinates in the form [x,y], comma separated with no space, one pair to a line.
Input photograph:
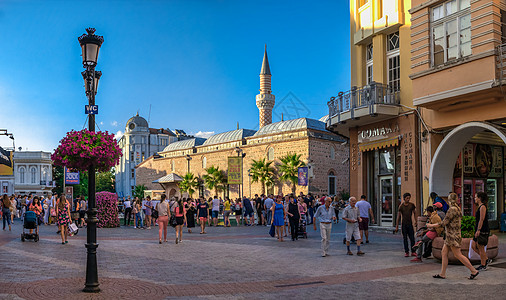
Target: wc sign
[91,109]
[71,177]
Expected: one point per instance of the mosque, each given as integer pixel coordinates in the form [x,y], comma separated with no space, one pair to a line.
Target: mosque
[324,152]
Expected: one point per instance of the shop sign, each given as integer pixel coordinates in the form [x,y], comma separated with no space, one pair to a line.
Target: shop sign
[377,133]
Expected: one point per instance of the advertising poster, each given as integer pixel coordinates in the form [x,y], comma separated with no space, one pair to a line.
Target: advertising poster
[234,170]
[6,165]
[71,177]
[303,176]
[468,158]
[483,159]
[497,161]
[137,154]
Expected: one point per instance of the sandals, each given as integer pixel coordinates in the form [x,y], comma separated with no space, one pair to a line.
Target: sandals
[474,275]
[440,277]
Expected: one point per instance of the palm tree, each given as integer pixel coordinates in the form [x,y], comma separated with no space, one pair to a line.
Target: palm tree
[289,169]
[189,184]
[262,171]
[214,179]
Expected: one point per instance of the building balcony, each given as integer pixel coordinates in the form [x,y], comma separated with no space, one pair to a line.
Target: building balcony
[361,106]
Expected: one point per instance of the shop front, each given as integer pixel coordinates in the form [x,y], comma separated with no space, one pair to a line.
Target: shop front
[384,164]
[478,167]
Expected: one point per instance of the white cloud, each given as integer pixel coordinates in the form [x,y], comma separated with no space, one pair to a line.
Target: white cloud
[101,123]
[114,123]
[204,134]
[118,135]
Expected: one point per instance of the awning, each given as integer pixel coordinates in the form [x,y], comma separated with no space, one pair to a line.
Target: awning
[384,143]
[172,177]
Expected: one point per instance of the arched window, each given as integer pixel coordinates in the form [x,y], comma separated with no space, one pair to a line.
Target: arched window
[332,153]
[33,174]
[332,183]
[204,162]
[21,175]
[270,154]
[44,174]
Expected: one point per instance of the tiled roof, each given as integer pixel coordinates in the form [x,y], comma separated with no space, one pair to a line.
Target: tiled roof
[229,136]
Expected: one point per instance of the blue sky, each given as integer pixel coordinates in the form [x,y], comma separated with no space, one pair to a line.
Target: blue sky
[195,62]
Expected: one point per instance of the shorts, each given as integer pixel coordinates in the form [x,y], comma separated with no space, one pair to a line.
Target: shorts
[81,214]
[203,219]
[364,225]
[179,220]
[227,213]
[215,214]
[248,214]
[482,239]
[352,230]
[238,212]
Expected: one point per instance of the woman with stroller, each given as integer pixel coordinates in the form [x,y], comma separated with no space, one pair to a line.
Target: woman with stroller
[6,211]
[63,217]
[37,208]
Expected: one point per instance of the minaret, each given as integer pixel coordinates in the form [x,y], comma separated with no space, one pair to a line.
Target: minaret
[265,100]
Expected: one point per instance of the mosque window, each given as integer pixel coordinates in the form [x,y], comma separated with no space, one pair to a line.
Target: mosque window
[204,162]
[173,166]
[270,154]
[332,153]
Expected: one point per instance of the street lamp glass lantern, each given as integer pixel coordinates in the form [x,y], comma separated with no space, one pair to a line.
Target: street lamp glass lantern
[90,46]
[87,77]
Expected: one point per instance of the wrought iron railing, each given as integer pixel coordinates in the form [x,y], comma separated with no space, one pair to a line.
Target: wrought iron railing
[501,63]
[366,96]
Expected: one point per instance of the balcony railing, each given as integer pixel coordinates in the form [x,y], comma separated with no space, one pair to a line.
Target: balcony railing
[501,63]
[364,97]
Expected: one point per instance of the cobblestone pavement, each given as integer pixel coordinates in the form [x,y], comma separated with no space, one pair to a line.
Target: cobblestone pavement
[229,263]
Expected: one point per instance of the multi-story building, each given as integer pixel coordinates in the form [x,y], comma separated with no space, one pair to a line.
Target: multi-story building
[324,152]
[377,113]
[33,173]
[138,143]
[458,68]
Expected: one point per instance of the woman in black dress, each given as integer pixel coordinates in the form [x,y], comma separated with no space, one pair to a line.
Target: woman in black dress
[190,216]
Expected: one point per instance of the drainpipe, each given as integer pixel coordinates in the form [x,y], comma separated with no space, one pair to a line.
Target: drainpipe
[418,123]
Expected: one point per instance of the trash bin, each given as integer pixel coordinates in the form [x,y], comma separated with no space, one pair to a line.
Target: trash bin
[503,222]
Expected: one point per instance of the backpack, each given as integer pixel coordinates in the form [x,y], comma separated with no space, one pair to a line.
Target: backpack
[445,205]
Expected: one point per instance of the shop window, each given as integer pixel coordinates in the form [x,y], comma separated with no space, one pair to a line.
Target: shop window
[451,31]
[386,161]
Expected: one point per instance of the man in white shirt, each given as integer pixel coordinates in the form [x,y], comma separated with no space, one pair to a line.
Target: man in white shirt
[268,203]
[215,210]
[128,211]
[365,210]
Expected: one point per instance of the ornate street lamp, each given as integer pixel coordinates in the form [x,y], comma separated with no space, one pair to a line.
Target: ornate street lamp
[188,158]
[90,45]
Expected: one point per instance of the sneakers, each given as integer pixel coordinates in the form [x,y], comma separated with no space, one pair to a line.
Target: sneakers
[349,253]
[482,268]
[406,254]
[415,247]
[416,260]
[488,261]
[413,254]
[360,253]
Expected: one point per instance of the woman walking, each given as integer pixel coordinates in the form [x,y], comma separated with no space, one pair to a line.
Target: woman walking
[180,213]
[482,230]
[453,241]
[278,220]
[137,210]
[163,218]
[294,217]
[202,214]
[13,208]
[37,208]
[63,215]
[190,216]
[226,212]
[238,211]
[6,211]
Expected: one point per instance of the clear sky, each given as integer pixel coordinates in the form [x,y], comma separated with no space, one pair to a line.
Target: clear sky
[195,62]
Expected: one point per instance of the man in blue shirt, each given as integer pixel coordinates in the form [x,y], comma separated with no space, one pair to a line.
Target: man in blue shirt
[325,214]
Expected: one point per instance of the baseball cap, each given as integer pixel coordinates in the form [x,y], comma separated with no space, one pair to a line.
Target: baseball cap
[438,205]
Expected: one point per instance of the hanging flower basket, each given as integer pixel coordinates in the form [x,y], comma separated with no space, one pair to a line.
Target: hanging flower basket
[79,150]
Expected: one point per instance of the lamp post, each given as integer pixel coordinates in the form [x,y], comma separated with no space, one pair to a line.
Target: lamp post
[90,45]
[188,158]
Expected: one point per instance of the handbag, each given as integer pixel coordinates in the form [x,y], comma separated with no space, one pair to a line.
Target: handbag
[272,231]
[154,214]
[172,221]
[73,230]
[53,212]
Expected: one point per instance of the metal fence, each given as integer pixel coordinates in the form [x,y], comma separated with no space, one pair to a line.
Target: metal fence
[366,96]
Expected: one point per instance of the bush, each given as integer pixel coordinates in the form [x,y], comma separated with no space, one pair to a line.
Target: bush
[467,226]
[107,210]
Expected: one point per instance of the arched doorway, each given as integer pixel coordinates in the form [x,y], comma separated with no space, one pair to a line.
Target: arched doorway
[441,176]
[172,193]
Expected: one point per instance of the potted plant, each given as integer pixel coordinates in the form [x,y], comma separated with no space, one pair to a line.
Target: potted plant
[467,233]
[79,150]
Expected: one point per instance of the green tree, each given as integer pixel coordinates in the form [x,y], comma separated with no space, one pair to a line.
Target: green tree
[261,171]
[289,169]
[189,184]
[139,191]
[215,179]
[105,181]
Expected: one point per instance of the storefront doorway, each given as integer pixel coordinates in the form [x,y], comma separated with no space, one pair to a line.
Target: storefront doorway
[386,187]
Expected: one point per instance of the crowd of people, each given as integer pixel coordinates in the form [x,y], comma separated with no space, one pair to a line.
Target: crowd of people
[286,214]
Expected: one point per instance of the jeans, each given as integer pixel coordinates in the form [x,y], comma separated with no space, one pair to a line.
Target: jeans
[6,216]
[269,216]
[294,227]
[128,212]
[139,220]
[407,231]
[310,215]
[425,242]
[325,230]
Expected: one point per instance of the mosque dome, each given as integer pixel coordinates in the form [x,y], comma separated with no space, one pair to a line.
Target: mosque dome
[136,121]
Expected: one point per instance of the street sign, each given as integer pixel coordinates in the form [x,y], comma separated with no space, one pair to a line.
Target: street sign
[91,109]
[71,177]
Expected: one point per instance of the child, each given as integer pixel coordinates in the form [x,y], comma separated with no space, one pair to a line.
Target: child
[424,235]
[352,217]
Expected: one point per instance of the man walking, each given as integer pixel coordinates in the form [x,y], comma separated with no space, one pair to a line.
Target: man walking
[352,217]
[325,214]
[365,210]
[268,203]
[407,215]
[249,217]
